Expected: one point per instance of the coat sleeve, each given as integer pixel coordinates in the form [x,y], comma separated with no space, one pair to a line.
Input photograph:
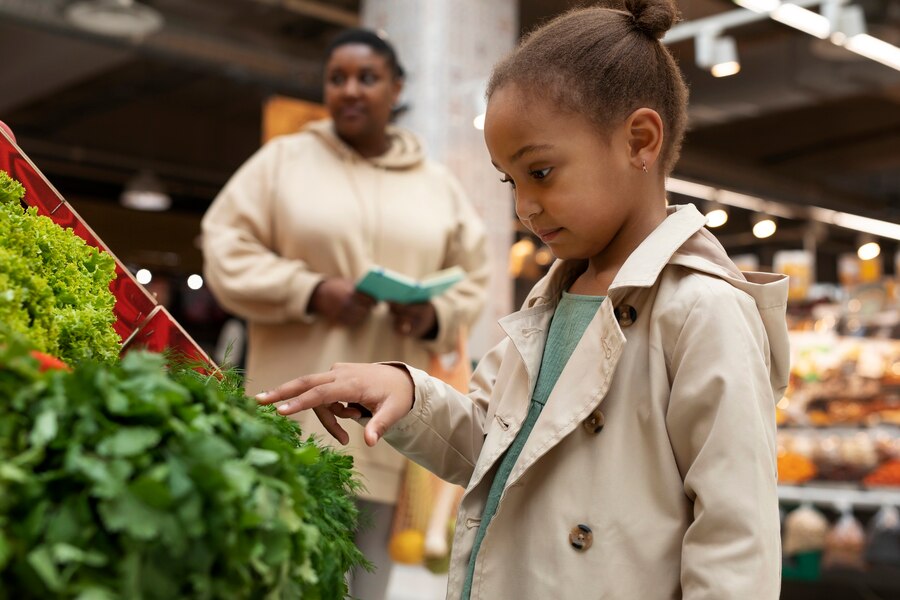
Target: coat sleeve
[721,424]
[445,429]
[241,262]
[461,305]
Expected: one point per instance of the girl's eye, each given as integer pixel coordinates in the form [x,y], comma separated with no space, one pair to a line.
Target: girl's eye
[540,173]
[506,179]
[336,79]
[368,78]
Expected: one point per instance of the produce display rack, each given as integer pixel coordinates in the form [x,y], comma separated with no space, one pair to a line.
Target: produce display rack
[839,498]
[141,321]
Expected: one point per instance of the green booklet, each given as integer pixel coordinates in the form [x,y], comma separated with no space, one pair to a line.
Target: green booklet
[390,286]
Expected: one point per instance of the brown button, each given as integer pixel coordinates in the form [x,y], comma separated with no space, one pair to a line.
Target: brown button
[625,315]
[595,422]
[581,537]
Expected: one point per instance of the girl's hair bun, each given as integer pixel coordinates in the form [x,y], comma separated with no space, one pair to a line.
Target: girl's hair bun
[653,17]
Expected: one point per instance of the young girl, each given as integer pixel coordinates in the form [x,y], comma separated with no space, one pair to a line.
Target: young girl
[620,441]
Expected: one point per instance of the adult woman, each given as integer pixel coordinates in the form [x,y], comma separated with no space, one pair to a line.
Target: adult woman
[305,217]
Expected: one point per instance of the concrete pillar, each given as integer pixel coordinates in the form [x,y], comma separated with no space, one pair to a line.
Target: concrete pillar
[448,48]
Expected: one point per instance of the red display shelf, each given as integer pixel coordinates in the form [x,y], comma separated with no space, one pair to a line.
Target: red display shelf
[140,320]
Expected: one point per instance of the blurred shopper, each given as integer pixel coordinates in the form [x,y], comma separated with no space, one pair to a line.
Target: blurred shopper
[620,442]
[304,218]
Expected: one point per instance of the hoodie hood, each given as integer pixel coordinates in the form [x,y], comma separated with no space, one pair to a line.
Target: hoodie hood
[405,151]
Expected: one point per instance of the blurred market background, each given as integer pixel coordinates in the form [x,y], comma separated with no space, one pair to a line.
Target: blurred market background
[138,112]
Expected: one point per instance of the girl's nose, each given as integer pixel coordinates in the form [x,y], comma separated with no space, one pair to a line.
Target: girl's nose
[526,207]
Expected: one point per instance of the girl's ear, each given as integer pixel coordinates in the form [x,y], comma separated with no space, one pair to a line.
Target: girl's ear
[645,137]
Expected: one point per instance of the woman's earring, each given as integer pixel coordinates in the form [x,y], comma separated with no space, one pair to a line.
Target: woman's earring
[644,165]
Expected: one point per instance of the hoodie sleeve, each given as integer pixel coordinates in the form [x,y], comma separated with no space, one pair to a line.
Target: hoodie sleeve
[241,264]
[721,425]
[461,305]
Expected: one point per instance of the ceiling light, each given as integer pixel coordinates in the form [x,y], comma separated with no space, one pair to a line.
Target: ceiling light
[118,18]
[760,6]
[868,247]
[716,217]
[805,20]
[764,226]
[478,121]
[143,276]
[195,282]
[717,53]
[874,49]
[690,188]
[145,192]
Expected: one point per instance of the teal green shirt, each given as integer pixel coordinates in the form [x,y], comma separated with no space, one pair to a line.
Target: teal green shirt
[572,317]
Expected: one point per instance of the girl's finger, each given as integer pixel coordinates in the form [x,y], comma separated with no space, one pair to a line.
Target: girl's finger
[345,411]
[294,388]
[338,390]
[385,415]
[331,425]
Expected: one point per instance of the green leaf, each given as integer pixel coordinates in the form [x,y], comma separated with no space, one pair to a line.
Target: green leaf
[108,477]
[40,560]
[96,593]
[127,514]
[10,472]
[129,441]
[240,476]
[5,551]
[260,458]
[152,492]
[66,553]
[45,428]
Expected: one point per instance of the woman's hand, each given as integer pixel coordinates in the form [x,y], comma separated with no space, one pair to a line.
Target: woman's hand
[413,320]
[337,300]
[384,390]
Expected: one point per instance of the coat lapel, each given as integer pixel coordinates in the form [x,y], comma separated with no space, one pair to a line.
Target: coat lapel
[527,330]
[581,386]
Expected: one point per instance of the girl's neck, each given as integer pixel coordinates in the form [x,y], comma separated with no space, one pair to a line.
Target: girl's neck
[603,268]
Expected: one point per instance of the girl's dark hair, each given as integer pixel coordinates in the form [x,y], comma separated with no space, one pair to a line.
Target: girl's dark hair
[605,62]
[371,39]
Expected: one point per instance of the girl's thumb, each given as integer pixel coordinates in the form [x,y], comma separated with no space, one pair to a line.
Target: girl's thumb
[374,430]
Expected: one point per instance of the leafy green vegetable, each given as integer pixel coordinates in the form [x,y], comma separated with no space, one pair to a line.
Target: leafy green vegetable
[54,288]
[134,481]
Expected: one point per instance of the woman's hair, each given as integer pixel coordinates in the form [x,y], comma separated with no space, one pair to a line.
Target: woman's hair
[371,39]
[605,62]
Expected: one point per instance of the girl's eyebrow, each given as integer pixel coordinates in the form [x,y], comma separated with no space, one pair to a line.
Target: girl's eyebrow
[528,149]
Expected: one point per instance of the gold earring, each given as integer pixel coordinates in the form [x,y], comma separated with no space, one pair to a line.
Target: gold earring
[644,165]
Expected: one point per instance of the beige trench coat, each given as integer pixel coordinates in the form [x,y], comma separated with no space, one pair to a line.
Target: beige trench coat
[651,473]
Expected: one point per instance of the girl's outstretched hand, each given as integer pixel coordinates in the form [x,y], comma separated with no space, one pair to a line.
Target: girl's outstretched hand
[384,390]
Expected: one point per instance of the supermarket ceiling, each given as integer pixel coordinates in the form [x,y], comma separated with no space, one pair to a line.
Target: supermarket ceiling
[804,121]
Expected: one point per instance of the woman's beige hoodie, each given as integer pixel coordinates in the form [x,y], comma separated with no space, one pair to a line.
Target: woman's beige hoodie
[307,207]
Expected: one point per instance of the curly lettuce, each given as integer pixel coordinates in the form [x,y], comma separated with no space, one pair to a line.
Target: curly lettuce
[54,288]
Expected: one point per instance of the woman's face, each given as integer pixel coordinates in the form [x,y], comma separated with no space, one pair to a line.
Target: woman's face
[360,91]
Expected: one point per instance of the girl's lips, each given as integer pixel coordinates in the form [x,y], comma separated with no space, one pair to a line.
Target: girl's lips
[547,235]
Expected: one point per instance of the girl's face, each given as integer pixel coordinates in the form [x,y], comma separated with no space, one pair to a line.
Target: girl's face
[577,190]
[360,92]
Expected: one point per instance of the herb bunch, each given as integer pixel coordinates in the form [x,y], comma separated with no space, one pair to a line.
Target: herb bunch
[137,481]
